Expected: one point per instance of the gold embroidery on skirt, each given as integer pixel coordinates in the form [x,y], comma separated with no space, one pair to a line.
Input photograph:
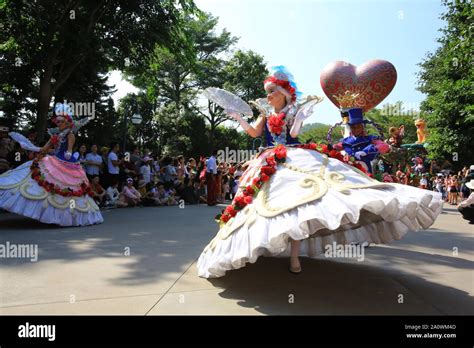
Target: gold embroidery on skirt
[318,182]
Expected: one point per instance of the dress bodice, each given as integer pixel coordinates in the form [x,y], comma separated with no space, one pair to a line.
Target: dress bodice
[284,139]
[61,149]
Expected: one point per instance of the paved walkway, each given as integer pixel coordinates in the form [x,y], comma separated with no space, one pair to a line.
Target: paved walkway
[143,261]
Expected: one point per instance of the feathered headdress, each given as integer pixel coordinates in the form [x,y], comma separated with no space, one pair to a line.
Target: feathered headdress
[282,79]
[63,111]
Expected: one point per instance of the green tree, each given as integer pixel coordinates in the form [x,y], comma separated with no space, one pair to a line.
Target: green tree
[103,128]
[172,75]
[172,79]
[387,116]
[446,77]
[42,43]
[243,75]
[394,115]
[316,133]
[147,134]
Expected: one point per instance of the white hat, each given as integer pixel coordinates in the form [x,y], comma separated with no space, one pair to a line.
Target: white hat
[471,167]
[470,184]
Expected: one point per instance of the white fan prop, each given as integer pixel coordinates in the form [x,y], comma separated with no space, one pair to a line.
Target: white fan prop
[24,142]
[228,101]
[262,105]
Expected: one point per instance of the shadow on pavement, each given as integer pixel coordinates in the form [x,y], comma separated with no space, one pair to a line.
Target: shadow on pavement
[335,288]
[158,240]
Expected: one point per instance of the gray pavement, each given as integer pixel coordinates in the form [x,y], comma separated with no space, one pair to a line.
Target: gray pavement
[142,261]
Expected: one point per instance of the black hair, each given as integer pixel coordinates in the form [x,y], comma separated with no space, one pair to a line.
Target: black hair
[166,160]
[112,145]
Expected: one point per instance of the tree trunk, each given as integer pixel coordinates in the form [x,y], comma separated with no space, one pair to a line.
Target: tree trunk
[44,98]
[211,136]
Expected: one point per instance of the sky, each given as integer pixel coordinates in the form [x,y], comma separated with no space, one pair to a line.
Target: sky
[306,35]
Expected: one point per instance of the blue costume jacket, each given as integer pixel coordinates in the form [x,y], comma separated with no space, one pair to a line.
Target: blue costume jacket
[354,144]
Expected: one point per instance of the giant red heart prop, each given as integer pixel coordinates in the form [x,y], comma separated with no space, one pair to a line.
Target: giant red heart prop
[373,81]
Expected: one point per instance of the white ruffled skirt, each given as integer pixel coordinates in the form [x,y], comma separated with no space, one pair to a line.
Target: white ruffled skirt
[21,194]
[319,200]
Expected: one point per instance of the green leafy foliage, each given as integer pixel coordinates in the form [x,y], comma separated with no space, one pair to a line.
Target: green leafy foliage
[447,78]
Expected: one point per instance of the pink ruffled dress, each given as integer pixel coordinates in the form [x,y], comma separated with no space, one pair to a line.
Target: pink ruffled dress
[51,189]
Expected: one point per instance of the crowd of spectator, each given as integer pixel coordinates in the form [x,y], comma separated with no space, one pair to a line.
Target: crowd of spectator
[142,179]
[437,178]
[139,178]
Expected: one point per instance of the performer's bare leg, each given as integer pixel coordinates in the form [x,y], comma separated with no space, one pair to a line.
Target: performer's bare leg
[295,265]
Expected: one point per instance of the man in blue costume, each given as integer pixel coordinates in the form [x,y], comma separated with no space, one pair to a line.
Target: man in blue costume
[363,147]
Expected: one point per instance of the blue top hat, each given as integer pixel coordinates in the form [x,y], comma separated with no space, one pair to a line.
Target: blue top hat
[356,116]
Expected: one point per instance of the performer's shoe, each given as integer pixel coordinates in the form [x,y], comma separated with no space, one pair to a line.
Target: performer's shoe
[295,270]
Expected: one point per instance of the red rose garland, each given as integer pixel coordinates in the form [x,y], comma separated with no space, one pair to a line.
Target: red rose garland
[335,154]
[246,197]
[278,156]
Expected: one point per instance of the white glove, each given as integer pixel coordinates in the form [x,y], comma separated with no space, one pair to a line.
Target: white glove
[359,154]
[239,119]
[67,155]
[301,115]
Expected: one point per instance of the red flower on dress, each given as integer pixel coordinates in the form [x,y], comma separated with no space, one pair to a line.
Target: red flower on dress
[271,161]
[257,182]
[55,189]
[239,201]
[264,177]
[268,170]
[230,211]
[54,139]
[249,190]
[276,123]
[280,152]
[278,156]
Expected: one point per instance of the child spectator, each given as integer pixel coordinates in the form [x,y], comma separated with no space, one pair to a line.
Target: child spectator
[98,191]
[131,195]
[114,197]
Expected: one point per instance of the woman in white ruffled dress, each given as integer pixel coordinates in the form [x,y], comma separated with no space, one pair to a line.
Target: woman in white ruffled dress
[52,188]
[295,199]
